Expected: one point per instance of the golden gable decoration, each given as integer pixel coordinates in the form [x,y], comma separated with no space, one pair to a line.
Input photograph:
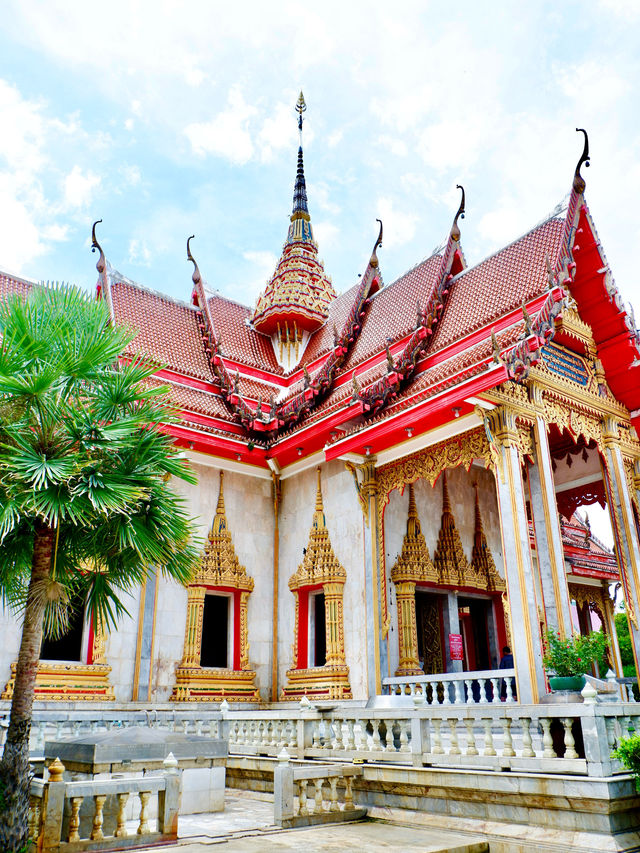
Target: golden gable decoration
[320,567]
[220,569]
[449,559]
[484,574]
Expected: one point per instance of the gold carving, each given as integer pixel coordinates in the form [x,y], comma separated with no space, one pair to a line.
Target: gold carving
[484,572]
[321,567]
[219,568]
[449,559]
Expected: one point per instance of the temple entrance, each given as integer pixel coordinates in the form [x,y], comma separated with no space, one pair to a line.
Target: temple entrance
[214,651]
[429,626]
[68,647]
[474,614]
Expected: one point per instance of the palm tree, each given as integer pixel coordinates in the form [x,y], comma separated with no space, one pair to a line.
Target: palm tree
[85,506]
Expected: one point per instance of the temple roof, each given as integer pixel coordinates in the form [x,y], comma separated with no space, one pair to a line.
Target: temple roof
[299,293]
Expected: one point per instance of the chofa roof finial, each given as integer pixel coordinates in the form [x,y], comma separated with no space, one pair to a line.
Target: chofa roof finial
[579,183]
[455,230]
[374,258]
[102,264]
[300,108]
[196,277]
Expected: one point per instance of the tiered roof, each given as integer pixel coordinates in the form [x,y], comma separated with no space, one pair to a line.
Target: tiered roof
[385,358]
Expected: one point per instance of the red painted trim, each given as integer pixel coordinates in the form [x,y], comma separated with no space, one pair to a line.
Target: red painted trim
[302,656]
[236,629]
[421,418]
[90,643]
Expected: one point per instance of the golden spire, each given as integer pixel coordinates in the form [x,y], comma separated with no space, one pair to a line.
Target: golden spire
[413,563]
[482,564]
[219,565]
[449,558]
[320,564]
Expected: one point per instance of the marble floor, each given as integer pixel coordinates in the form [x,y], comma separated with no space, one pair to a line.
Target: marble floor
[246,826]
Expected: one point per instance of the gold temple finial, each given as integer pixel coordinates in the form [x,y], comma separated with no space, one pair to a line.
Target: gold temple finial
[413,522]
[455,230]
[101,264]
[446,505]
[483,568]
[301,107]
[319,504]
[220,519]
[449,558]
[196,277]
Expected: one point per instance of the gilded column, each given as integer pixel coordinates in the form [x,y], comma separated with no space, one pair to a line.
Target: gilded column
[407,632]
[333,623]
[244,631]
[502,432]
[193,630]
[546,524]
[610,628]
[99,641]
[624,527]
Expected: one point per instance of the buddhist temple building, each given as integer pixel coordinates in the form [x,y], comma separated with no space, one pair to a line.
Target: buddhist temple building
[391,476]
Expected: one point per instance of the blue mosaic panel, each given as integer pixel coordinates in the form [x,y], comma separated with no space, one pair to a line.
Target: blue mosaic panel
[565,364]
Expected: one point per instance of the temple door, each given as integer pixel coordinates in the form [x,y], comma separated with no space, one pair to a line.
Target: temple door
[429,624]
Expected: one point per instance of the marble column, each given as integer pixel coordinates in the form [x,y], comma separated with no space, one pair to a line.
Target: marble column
[548,536]
[451,626]
[377,652]
[624,526]
[526,643]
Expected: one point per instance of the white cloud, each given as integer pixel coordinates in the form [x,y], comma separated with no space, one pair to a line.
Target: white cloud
[139,253]
[335,138]
[129,124]
[394,144]
[399,227]
[79,187]
[227,135]
[326,234]
[131,175]
[263,265]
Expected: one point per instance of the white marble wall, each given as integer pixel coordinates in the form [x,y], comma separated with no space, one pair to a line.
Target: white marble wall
[345,524]
[11,634]
[120,647]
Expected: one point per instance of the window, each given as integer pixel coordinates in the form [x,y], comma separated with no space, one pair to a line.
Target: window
[214,651]
[317,630]
[69,646]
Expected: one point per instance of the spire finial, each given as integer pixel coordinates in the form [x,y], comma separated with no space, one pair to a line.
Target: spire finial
[413,522]
[196,277]
[318,515]
[102,264]
[374,257]
[220,519]
[301,107]
[455,230]
[579,183]
[319,506]
[446,506]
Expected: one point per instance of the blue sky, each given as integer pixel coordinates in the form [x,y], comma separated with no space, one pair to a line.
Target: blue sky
[167,119]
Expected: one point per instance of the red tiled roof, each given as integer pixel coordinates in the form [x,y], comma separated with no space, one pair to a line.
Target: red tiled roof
[167,331]
[322,340]
[392,313]
[497,285]
[239,341]
[12,286]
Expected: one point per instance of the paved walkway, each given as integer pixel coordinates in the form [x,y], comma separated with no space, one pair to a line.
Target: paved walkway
[246,826]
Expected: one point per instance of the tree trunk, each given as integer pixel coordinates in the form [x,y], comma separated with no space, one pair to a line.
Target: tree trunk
[15,774]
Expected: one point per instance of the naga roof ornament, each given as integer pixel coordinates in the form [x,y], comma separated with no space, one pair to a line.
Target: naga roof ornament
[579,183]
[296,299]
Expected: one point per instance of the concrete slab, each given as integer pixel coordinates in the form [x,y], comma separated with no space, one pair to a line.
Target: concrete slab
[246,826]
[370,836]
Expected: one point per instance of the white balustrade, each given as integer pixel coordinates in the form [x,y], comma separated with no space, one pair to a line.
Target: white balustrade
[482,687]
[301,797]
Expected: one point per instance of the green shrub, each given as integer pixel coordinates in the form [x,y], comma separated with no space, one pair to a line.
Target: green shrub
[628,752]
[573,655]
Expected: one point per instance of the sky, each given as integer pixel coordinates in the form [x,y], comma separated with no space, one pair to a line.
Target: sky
[168,119]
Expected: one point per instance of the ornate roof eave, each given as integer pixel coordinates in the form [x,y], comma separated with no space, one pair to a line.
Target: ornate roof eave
[401,370]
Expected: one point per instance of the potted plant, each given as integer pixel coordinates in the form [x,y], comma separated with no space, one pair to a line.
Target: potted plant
[567,659]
